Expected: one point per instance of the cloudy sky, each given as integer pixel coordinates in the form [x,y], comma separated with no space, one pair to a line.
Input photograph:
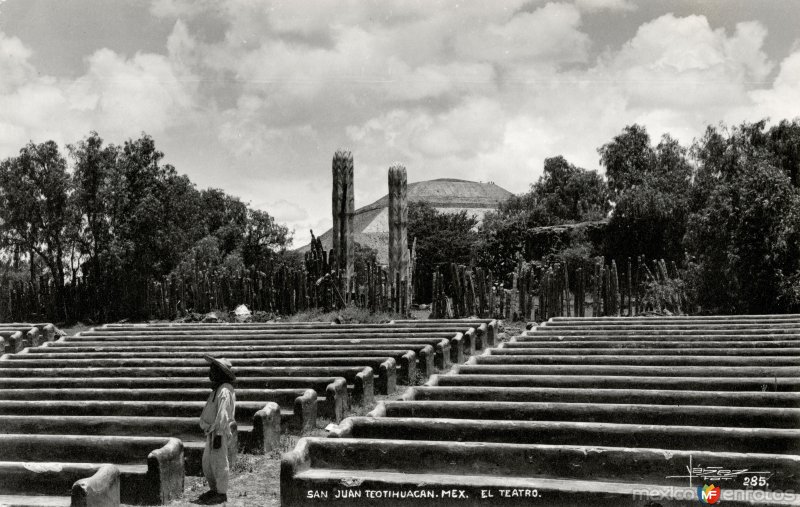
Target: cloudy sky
[255,96]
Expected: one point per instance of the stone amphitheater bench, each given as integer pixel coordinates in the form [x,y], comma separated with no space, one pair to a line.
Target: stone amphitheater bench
[103,333]
[757,440]
[361,377]
[263,434]
[626,370]
[663,332]
[298,406]
[669,326]
[273,348]
[643,360]
[726,383]
[47,330]
[649,342]
[11,342]
[525,348]
[491,331]
[359,381]
[328,465]
[406,358]
[16,339]
[151,469]
[460,344]
[479,333]
[333,398]
[23,484]
[589,395]
[624,413]
[667,320]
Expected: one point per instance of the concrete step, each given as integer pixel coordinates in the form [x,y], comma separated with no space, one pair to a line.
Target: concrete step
[709,438]
[384,364]
[157,335]
[375,464]
[623,413]
[362,378]
[309,348]
[283,397]
[793,332]
[580,395]
[670,326]
[718,351]
[146,477]
[183,428]
[335,391]
[679,318]
[524,341]
[698,383]
[643,360]
[630,370]
[34,500]
[289,327]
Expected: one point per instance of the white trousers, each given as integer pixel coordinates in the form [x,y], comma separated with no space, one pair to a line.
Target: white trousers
[215,464]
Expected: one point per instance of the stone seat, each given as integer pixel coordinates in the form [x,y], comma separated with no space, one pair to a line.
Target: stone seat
[332,392]
[523,348]
[593,395]
[422,361]
[630,370]
[623,413]
[457,345]
[151,469]
[377,464]
[680,437]
[383,362]
[733,362]
[59,484]
[622,381]
[284,348]
[362,378]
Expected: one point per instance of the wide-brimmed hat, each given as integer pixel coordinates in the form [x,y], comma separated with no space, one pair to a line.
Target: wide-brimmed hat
[223,364]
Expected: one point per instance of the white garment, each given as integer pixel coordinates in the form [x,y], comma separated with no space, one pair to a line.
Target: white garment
[216,419]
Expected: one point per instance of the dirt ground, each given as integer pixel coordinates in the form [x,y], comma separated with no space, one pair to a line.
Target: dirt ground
[255,480]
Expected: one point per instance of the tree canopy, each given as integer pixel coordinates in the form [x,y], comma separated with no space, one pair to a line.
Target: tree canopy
[116,217]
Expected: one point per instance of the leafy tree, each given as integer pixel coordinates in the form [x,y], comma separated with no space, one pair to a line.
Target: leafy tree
[441,238]
[743,234]
[627,159]
[120,220]
[262,237]
[563,194]
[35,210]
[569,193]
[651,185]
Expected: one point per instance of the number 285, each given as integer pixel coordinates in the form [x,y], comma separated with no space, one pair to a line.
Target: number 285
[755,480]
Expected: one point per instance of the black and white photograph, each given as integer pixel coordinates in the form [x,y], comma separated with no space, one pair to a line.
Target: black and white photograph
[415,253]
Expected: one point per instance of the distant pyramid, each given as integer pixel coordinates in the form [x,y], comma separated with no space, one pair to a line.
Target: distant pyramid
[447,195]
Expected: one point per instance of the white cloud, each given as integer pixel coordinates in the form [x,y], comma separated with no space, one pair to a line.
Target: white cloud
[783,99]
[478,90]
[15,68]
[550,33]
[599,5]
[120,97]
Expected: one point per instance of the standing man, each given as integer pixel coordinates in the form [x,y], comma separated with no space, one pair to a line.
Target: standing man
[216,421]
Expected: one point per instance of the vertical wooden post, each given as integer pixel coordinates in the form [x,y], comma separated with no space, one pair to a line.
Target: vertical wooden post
[629,287]
[336,212]
[343,210]
[348,234]
[398,225]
